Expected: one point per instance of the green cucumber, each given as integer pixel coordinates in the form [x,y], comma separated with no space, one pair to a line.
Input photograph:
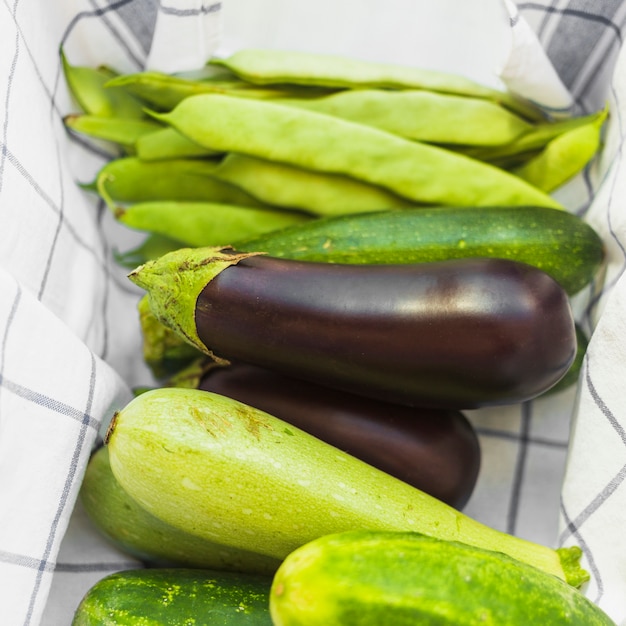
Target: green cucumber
[176,597]
[558,242]
[404,579]
[239,476]
[142,535]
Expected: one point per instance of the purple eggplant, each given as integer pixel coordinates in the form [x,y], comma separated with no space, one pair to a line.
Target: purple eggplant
[460,334]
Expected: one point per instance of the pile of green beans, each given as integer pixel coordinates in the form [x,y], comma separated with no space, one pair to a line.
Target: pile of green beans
[267,138]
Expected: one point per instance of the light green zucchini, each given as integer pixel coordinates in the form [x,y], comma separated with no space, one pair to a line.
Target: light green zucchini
[235,475]
[142,535]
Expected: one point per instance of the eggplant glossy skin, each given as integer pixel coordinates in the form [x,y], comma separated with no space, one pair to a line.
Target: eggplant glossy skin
[454,334]
[435,450]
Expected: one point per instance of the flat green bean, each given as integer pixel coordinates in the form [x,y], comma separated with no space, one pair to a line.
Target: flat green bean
[419,172]
[289,186]
[86,84]
[130,180]
[423,115]
[123,131]
[205,223]
[563,157]
[164,91]
[534,141]
[168,143]
[267,67]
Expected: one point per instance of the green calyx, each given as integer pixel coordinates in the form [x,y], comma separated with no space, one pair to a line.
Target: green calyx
[575,575]
[174,281]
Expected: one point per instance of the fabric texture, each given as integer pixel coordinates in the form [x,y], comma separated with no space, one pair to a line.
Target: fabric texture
[553,469]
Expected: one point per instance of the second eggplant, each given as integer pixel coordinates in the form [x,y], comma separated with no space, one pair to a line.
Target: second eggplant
[436,451]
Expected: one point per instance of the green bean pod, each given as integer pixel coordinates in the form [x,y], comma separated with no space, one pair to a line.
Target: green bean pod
[531,143]
[199,224]
[123,131]
[419,172]
[168,143]
[164,91]
[269,67]
[87,85]
[563,157]
[423,115]
[289,186]
[129,180]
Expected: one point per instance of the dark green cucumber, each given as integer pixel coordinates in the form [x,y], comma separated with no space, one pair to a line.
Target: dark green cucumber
[404,579]
[176,597]
[558,242]
[142,535]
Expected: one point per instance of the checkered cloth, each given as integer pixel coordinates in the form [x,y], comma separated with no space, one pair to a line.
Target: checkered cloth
[553,470]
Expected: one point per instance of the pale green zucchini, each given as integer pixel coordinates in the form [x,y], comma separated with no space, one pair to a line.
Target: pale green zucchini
[238,476]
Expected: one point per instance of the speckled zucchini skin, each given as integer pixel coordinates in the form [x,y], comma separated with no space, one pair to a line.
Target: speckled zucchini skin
[364,578]
[176,597]
[557,242]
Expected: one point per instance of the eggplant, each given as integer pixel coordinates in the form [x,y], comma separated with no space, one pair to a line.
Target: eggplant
[435,450]
[460,333]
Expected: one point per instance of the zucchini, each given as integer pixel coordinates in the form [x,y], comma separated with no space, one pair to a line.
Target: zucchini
[434,450]
[142,535]
[404,579]
[558,242]
[459,334]
[236,475]
[176,597]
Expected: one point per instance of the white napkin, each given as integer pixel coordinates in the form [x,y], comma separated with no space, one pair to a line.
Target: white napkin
[69,336]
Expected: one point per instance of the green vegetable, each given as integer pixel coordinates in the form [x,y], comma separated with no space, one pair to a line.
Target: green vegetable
[176,597]
[269,67]
[319,193]
[405,579]
[86,84]
[167,143]
[559,243]
[129,179]
[564,156]
[122,131]
[419,172]
[422,115]
[531,143]
[165,91]
[238,476]
[135,531]
[205,223]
